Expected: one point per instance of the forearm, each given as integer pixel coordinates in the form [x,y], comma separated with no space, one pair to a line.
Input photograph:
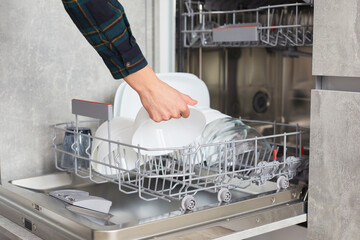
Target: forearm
[105,26]
[142,80]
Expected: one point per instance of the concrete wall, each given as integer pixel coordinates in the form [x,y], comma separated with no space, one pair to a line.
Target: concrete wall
[334,194]
[44,63]
[336,38]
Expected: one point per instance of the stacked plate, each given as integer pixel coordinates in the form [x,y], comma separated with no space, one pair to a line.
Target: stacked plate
[144,137]
[132,126]
[113,154]
[141,138]
[230,130]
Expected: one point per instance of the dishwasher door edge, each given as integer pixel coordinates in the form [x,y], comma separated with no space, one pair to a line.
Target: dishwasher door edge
[276,206]
[246,225]
[236,216]
[42,222]
[267,228]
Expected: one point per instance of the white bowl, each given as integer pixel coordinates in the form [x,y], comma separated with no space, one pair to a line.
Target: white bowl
[167,134]
[211,114]
[127,102]
[114,154]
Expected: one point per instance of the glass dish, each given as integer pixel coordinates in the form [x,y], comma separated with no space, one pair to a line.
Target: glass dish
[70,146]
[228,132]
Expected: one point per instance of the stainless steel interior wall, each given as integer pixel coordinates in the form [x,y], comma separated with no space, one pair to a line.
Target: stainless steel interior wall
[44,63]
[235,75]
[297,83]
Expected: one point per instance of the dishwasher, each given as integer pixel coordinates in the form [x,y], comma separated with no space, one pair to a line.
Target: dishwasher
[178,195]
[164,196]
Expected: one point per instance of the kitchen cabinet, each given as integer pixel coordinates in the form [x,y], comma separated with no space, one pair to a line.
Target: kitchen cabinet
[336,47]
[334,194]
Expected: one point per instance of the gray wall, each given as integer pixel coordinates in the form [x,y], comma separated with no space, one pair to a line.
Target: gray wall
[44,63]
[334,194]
[336,38]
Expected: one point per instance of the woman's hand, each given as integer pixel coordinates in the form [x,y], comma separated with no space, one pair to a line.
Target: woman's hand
[161,101]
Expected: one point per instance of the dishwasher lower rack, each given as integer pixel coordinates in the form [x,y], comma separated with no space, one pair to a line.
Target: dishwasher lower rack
[180,174]
[285,25]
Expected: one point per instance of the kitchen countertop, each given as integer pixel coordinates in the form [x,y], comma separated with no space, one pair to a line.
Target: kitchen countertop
[12,231]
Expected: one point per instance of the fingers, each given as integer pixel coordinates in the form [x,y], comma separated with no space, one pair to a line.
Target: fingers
[189,100]
[177,112]
[181,112]
[164,103]
[164,115]
[185,113]
[156,119]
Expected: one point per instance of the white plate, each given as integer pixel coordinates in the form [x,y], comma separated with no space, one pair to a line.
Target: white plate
[120,156]
[118,99]
[116,125]
[129,104]
[125,157]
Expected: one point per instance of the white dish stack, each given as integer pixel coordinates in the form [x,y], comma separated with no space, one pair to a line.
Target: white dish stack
[131,124]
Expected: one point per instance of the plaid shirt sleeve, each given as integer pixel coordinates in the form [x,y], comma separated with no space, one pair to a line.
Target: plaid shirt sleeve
[105,26]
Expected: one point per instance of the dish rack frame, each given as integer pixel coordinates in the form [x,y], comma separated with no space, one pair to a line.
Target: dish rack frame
[285,25]
[187,170]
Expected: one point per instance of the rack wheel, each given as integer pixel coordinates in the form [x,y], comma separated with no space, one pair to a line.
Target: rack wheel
[224,195]
[188,203]
[282,182]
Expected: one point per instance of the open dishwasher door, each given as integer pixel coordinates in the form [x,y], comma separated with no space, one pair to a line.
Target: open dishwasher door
[248,214]
[169,198]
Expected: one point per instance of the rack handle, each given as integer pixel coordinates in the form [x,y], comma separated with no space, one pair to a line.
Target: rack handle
[90,109]
[274,154]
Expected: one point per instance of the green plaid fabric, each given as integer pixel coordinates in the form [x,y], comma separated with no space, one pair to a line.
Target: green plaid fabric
[105,26]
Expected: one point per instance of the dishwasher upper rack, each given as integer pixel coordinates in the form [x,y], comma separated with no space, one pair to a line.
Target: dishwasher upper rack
[285,25]
[187,170]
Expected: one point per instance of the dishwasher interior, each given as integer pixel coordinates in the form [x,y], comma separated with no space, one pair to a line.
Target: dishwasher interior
[240,192]
[265,77]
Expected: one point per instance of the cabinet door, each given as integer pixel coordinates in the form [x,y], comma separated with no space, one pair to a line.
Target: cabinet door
[334,196]
[336,38]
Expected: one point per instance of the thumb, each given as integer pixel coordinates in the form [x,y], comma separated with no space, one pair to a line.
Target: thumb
[189,100]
